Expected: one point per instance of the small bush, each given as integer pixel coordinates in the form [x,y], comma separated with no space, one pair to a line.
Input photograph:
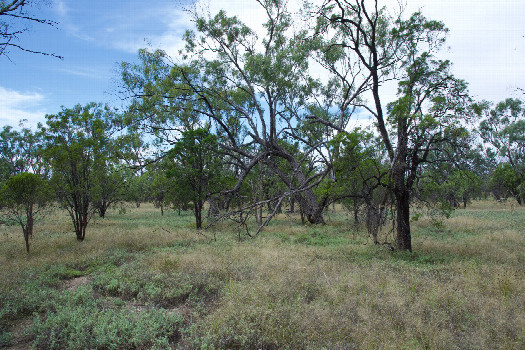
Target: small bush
[80,321]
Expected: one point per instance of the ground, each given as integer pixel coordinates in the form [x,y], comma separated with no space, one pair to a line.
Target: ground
[142,280]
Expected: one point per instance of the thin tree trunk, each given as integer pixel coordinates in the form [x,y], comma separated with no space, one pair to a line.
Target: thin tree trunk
[356,213]
[198,218]
[26,237]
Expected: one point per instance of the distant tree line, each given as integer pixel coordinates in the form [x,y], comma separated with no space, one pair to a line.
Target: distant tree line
[240,124]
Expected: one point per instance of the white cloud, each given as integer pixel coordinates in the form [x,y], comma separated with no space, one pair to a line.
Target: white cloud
[16,105]
[174,23]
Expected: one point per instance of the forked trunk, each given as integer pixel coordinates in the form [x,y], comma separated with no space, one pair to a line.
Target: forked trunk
[102,211]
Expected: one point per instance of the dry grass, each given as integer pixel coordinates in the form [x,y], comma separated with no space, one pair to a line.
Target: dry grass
[300,287]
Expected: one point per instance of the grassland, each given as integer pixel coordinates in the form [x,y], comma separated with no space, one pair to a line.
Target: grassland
[144,281]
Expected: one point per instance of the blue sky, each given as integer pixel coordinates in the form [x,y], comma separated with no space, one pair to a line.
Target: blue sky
[93,37]
[486,44]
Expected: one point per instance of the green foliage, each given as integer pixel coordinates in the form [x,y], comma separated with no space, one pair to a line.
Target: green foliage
[24,190]
[21,151]
[357,162]
[24,198]
[136,189]
[504,175]
[10,163]
[78,148]
[80,321]
[502,128]
[449,187]
[428,118]
[168,288]
[194,164]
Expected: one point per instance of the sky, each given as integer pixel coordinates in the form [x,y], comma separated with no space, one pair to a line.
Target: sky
[486,44]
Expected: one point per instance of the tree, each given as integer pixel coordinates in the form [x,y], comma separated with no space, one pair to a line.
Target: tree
[159,186]
[15,19]
[194,164]
[504,176]
[24,198]
[502,128]
[109,185]
[10,161]
[361,177]
[371,47]
[77,141]
[252,91]
[21,151]
[449,186]
[136,188]
[109,172]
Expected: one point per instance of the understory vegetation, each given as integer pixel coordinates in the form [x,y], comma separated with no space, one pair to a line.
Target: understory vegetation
[145,281]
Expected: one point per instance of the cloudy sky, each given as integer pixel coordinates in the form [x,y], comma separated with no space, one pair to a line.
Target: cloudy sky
[486,44]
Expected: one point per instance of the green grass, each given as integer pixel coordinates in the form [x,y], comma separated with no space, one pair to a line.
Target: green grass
[143,281]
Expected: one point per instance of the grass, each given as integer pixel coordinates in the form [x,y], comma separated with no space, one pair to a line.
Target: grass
[140,281]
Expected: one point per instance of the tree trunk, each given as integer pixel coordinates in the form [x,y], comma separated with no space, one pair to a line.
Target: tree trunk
[356,212]
[197,208]
[307,199]
[401,191]
[80,226]
[81,234]
[26,237]
[279,209]
[373,221]
[316,215]
[404,239]
[102,210]
[310,209]
[213,210]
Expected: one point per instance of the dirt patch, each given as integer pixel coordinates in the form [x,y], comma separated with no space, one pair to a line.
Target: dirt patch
[74,283]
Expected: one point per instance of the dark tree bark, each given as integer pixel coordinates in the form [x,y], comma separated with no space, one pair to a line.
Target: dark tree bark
[197,207]
[403,236]
[28,227]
